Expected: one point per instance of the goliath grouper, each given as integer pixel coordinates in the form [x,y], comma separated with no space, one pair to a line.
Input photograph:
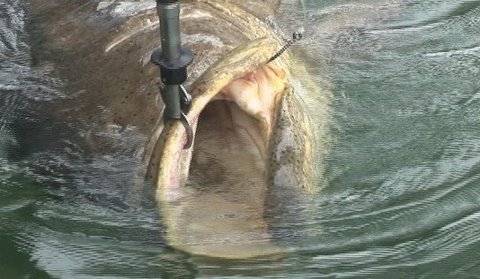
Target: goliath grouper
[252,137]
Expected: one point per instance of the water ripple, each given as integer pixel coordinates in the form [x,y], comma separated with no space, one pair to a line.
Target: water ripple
[432,13]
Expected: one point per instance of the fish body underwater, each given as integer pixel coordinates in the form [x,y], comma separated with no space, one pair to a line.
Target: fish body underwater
[252,137]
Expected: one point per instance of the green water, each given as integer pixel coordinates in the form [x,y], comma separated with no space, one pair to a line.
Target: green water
[402,196]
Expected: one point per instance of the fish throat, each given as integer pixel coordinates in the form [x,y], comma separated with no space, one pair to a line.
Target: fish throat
[234,129]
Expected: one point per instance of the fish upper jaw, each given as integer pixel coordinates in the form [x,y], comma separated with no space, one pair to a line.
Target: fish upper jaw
[258,94]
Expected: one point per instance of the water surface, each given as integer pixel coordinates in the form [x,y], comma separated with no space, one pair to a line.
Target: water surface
[400,200]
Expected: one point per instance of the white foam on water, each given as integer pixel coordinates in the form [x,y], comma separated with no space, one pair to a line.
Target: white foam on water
[125,8]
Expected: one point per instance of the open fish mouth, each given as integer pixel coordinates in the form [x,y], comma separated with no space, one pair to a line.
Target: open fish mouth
[234,100]
[212,196]
[251,140]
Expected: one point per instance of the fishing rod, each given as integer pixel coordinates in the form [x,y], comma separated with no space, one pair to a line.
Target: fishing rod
[173,60]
